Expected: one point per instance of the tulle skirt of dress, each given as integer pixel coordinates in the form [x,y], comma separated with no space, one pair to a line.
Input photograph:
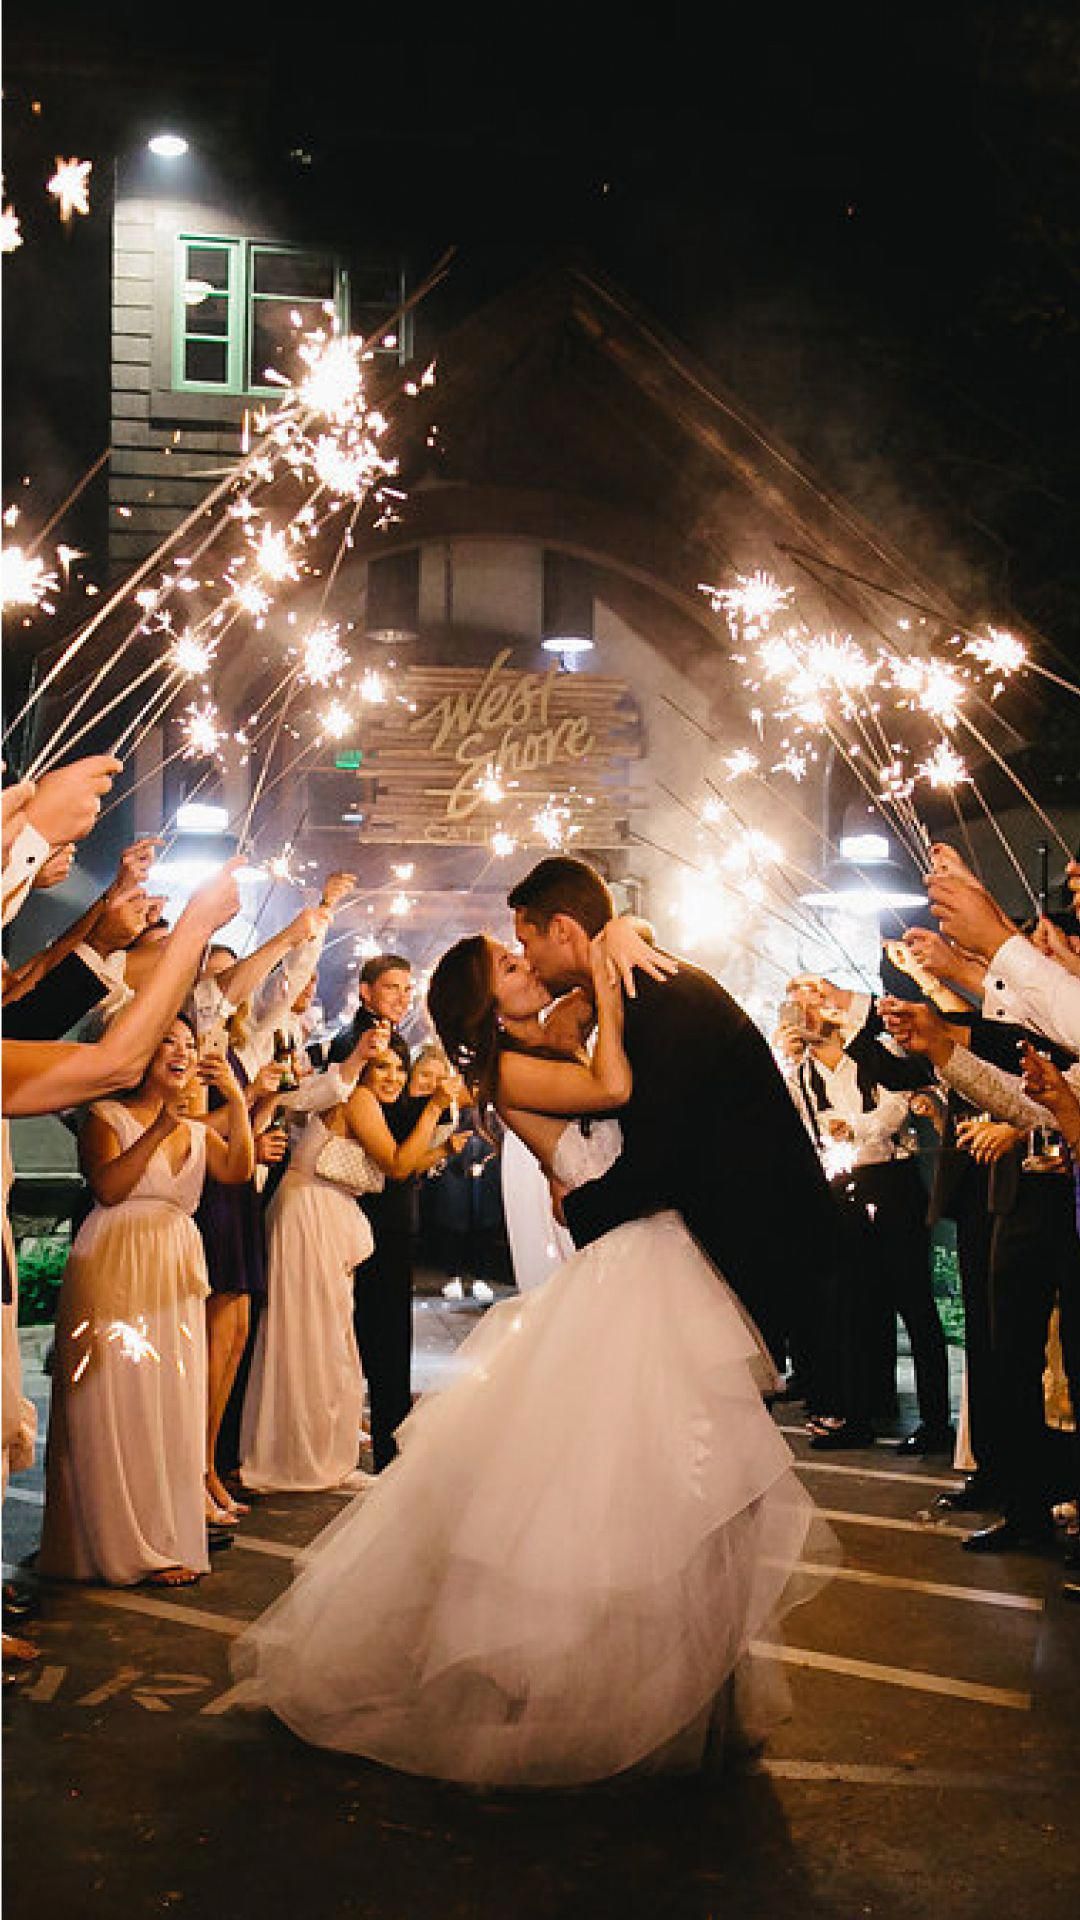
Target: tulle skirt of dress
[300,1425]
[582,1535]
[126,1452]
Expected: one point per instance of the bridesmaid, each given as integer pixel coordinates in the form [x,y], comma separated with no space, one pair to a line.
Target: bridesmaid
[126,1450]
[300,1429]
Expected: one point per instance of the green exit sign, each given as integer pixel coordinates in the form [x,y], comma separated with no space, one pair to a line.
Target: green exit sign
[350,760]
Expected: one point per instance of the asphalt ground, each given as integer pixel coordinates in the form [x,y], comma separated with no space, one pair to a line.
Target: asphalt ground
[929,1765]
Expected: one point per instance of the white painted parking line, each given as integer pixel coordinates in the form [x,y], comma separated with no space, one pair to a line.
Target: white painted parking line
[877,1473]
[858,1774]
[911,1678]
[931,1529]
[254,1544]
[126,1602]
[940,1589]
[31,1495]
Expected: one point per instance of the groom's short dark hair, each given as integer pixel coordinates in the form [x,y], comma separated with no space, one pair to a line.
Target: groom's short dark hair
[564,885]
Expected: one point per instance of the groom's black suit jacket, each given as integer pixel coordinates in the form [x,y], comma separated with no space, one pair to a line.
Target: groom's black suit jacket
[711,1130]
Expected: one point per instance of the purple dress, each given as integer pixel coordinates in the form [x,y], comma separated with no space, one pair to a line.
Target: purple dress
[230,1220]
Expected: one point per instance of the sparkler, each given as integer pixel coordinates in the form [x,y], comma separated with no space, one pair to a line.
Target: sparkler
[323,658]
[837,1158]
[750,605]
[490,786]
[191,655]
[553,824]
[372,688]
[202,734]
[10,235]
[70,187]
[337,721]
[943,767]
[24,582]
[503,844]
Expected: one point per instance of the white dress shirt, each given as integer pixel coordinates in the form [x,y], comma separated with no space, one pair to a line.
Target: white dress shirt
[1031,989]
[875,1134]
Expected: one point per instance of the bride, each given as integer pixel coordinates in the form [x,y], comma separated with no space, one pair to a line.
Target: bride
[583,1534]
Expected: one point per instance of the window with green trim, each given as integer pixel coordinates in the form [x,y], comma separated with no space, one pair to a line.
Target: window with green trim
[242,305]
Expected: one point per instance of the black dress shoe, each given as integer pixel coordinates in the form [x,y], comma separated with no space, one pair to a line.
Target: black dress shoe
[838,1439]
[926,1440]
[218,1538]
[1011,1536]
[975,1496]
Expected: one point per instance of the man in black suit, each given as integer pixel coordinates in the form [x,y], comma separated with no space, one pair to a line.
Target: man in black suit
[382,1284]
[710,1128]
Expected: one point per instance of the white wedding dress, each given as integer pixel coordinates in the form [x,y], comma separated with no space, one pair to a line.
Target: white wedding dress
[558,1576]
[538,1243]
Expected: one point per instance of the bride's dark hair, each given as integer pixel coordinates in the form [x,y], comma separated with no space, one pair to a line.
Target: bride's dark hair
[461,1002]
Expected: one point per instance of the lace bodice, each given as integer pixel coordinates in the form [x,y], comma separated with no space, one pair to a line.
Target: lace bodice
[580,1157]
[181,1189]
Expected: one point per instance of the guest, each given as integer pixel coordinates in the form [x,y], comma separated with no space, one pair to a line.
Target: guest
[383,1284]
[857,1114]
[304,1401]
[126,1453]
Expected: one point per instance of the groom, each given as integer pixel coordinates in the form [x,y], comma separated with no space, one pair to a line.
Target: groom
[710,1128]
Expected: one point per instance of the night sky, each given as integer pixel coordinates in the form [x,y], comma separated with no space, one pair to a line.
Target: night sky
[866,221]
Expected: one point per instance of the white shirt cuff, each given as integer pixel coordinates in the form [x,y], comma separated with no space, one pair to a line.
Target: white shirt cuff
[29,851]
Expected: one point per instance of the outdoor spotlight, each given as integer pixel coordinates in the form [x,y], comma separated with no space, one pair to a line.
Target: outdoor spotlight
[168,146]
[196,816]
[865,849]
[569,649]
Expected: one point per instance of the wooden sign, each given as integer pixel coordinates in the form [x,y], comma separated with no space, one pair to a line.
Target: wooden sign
[459,753]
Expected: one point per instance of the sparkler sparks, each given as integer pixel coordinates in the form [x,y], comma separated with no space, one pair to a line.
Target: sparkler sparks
[837,1158]
[372,688]
[24,582]
[553,824]
[337,721]
[740,762]
[191,655]
[931,686]
[503,844]
[1001,653]
[324,658]
[70,187]
[751,604]
[278,866]
[133,1341]
[202,734]
[943,767]
[490,786]
[10,234]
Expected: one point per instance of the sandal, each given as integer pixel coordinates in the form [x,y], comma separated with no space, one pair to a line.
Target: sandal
[19,1652]
[173,1577]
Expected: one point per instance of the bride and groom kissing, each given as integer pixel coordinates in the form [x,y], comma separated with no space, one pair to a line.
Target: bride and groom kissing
[709,1127]
[583,1533]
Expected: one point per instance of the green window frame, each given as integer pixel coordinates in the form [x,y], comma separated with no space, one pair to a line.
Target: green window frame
[221,313]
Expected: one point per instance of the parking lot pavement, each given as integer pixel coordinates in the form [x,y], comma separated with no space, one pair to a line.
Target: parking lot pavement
[929,1763]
